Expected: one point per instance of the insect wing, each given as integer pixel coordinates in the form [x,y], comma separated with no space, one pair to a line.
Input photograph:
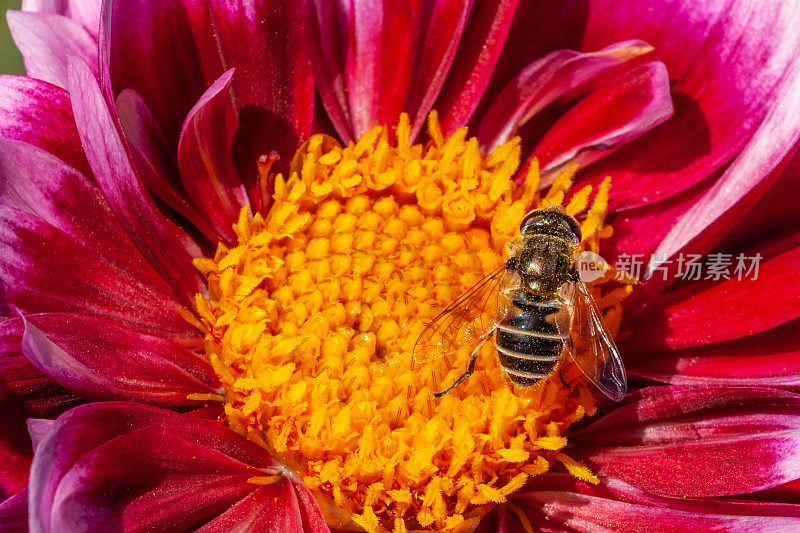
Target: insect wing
[462,321]
[589,342]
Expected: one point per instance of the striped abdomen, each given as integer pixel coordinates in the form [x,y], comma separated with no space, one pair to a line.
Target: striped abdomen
[528,346]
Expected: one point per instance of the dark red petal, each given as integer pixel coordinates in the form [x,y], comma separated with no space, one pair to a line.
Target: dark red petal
[207,171]
[373,61]
[771,358]
[554,76]
[154,158]
[697,442]
[170,52]
[15,446]
[131,467]
[717,311]
[45,270]
[562,503]
[14,513]
[46,41]
[99,360]
[40,114]
[84,12]
[474,62]
[627,107]
[162,243]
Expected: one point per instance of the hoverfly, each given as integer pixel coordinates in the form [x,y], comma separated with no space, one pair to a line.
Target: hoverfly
[542,308]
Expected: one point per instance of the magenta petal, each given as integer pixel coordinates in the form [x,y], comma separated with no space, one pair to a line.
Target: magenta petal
[46,41]
[40,114]
[474,62]
[373,61]
[84,12]
[206,168]
[731,64]
[154,158]
[625,108]
[38,429]
[132,467]
[39,183]
[439,41]
[697,442]
[99,360]
[24,390]
[558,502]
[264,511]
[164,245]
[771,358]
[362,57]
[14,513]
[748,177]
[170,52]
[45,270]
[718,311]
[544,81]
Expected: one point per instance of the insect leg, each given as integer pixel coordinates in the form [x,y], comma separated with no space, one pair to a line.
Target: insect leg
[560,375]
[470,369]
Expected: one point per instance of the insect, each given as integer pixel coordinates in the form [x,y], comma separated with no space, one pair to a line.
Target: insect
[542,307]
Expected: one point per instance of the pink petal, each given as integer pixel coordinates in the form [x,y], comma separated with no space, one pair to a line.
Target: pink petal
[165,246]
[563,503]
[697,442]
[627,107]
[171,52]
[717,311]
[84,12]
[45,270]
[154,158]
[373,61]
[14,513]
[770,358]
[474,62]
[133,467]
[544,81]
[46,41]
[39,113]
[99,360]
[207,171]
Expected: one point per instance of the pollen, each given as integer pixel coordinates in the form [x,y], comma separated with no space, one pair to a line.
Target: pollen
[311,321]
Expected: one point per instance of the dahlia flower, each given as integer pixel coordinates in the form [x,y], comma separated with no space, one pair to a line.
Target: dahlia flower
[224,225]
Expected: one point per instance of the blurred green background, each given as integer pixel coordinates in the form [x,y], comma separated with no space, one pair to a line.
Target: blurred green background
[10,60]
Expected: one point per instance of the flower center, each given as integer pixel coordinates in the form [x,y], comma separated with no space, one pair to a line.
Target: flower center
[312,319]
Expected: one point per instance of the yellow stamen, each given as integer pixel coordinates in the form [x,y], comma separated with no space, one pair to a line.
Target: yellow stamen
[264,480]
[313,315]
[206,397]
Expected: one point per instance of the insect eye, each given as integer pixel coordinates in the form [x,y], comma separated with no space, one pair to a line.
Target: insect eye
[574,227]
